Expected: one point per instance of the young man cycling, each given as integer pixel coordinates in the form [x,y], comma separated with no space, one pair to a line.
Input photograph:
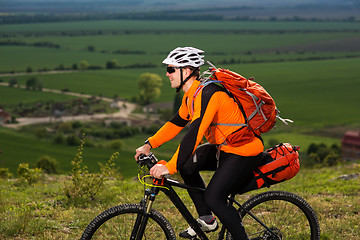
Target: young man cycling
[232,151]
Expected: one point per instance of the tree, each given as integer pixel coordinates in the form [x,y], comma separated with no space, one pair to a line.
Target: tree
[112,64]
[34,84]
[149,85]
[13,82]
[30,83]
[84,65]
[91,48]
[29,70]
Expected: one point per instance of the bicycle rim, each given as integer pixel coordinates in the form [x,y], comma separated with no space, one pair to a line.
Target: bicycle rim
[285,214]
[118,223]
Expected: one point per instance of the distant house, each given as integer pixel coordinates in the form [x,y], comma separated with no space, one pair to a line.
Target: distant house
[4,116]
[350,145]
[155,107]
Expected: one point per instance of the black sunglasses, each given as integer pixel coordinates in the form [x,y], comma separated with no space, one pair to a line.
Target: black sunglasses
[172,69]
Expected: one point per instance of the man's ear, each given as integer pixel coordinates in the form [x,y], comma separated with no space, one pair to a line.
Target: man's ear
[187,72]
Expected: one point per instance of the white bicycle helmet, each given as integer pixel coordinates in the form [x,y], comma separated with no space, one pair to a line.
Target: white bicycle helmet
[185,56]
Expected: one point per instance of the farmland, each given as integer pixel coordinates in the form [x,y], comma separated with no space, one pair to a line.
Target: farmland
[148,41]
[310,68]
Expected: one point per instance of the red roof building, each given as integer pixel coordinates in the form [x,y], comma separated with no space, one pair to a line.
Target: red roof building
[4,117]
[350,146]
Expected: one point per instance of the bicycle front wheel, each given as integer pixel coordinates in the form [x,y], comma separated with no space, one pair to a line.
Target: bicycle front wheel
[118,223]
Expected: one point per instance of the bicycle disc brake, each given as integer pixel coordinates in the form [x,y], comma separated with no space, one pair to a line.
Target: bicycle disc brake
[269,236]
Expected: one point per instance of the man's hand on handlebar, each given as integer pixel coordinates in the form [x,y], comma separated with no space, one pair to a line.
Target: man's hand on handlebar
[158,171]
[144,149]
[157,168]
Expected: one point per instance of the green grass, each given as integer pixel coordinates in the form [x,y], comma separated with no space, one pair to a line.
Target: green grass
[19,148]
[14,96]
[155,43]
[39,211]
[312,93]
[209,42]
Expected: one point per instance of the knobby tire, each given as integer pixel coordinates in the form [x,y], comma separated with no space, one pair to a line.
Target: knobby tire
[286,214]
[118,223]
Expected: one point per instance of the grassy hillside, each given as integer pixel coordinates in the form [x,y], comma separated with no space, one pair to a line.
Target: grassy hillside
[41,211]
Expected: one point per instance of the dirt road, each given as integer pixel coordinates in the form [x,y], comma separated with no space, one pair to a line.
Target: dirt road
[122,113]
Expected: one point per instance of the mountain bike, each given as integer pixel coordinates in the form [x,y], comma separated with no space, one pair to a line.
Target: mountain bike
[266,216]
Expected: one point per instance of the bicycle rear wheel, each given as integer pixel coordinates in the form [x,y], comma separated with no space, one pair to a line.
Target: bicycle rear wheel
[286,214]
[118,223]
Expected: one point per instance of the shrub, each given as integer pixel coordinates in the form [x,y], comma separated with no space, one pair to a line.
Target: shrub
[59,138]
[76,125]
[47,164]
[84,186]
[65,127]
[40,132]
[324,156]
[30,175]
[4,173]
[72,140]
[151,129]
[116,144]
[333,159]
[117,125]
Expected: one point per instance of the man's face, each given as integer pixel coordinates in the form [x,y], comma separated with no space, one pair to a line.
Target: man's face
[173,73]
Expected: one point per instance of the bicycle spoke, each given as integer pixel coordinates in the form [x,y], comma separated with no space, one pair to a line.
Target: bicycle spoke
[281,217]
[121,227]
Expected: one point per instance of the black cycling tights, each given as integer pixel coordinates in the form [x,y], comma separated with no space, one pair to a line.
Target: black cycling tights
[231,172]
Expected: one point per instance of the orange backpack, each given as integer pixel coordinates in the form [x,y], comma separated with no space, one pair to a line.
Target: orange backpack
[280,163]
[255,102]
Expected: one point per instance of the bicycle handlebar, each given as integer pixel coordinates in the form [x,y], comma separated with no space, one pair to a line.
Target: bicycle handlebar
[147,160]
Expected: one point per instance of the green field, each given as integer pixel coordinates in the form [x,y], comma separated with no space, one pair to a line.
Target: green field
[149,41]
[313,93]
[310,68]
[10,97]
[18,148]
[153,25]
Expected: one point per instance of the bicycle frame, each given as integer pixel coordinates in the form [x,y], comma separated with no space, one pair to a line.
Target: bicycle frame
[165,185]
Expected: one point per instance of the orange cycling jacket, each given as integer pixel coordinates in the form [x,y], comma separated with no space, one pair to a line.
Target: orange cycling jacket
[203,110]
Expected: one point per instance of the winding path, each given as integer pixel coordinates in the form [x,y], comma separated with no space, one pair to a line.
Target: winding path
[122,113]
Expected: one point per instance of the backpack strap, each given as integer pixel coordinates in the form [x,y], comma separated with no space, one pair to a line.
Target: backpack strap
[198,90]
[262,175]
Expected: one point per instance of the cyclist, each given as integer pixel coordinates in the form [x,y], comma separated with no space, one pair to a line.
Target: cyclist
[232,151]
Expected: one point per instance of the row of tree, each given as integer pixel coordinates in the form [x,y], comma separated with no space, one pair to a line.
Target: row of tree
[10,42]
[195,15]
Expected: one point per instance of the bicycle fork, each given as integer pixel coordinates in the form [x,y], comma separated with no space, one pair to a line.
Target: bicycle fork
[142,218]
